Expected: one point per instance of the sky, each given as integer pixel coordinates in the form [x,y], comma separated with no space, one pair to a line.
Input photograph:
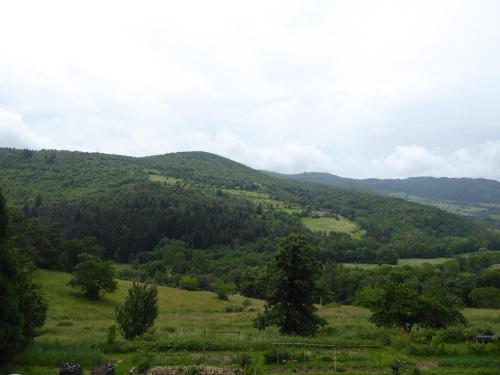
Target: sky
[387,89]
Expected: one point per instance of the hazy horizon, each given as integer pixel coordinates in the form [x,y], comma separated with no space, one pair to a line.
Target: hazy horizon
[360,89]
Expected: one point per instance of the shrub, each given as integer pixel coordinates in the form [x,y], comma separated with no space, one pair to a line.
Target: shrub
[143,359]
[488,297]
[455,334]
[189,282]
[222,289]
[436,346]
[246,303]
[233,308]
[111,334]
[139,311]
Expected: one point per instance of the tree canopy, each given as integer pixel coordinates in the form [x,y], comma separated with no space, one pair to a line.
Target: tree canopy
[93,276]
[397,305]
[23,308]
[292,289]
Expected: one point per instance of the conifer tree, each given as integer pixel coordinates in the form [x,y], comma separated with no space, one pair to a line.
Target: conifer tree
[292,289]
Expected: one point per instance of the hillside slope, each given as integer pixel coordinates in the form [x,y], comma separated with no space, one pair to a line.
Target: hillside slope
[476,198]
[208,201]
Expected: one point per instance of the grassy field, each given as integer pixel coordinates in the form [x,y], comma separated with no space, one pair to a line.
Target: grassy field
[76,331]
[419,261]
[403,262]
[332,224]
[163,179]
[264,199]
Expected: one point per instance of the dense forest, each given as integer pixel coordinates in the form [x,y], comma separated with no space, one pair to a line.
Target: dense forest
[199,214]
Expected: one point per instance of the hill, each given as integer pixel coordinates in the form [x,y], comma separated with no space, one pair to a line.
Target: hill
[478,198]
[225,213]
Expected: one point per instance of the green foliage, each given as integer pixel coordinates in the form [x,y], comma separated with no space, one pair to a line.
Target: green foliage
[292,289]
[111,334]
[489,278]
[139,311]
[3,218]
[488,297]
[463,190]
[398,305]
[246,303]
[222,289]
[233,308]
[193,312]
[189,282]
[143,359]
[72,249]
[23,308]
[93,276]
[99,195]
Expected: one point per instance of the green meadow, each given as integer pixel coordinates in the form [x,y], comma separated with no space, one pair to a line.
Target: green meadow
[401,262]
[264,199]
[333,224]
[163,179]
[76,330]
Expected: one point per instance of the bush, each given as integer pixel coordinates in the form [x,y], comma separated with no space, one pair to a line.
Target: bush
[111,334]
[222,289]
[488,297]
[143,359]
[233,308]
[455,334]
[189,282]
[139,312]
[276,355]
[485,349]
[436,346]
[246,303]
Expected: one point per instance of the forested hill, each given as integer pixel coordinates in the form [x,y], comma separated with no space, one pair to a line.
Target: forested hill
[460,190]
[213,205]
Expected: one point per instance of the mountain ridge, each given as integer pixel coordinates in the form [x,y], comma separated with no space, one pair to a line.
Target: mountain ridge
[478,190]
[205,200]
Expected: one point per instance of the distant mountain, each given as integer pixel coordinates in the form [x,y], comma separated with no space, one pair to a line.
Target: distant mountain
[459,190]
[477,198]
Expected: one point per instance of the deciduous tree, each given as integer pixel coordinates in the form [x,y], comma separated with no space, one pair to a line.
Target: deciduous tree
[93,276]
[401,306]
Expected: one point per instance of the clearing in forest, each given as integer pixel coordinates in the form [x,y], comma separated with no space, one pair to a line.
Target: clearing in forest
[337,224]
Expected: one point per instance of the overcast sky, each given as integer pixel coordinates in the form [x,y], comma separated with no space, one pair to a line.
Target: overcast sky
[356,88]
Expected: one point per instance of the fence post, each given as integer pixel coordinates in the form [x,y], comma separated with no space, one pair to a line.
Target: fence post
[304,357]
[366,358]
[204,349]
[335,359]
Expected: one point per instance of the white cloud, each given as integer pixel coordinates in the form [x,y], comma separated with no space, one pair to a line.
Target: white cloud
[405,161]
[14,133]
[282,84]
[276,155]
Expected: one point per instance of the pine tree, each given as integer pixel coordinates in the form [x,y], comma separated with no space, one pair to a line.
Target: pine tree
[292,289]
